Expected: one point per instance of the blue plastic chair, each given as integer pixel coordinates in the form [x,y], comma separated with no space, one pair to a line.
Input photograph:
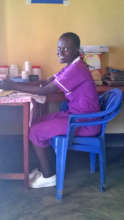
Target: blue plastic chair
[110,103]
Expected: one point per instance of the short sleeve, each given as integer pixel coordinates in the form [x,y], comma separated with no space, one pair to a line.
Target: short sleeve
[72,77]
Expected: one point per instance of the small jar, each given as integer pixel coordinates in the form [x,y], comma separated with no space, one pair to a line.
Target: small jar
[4,71]
[36,70]
[13,71]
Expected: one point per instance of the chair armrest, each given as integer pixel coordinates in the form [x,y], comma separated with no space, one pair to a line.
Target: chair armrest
[92,119]
[87,123]
[88,115]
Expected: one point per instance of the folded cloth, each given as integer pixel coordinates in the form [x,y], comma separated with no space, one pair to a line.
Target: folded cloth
[5,93]
[37,98]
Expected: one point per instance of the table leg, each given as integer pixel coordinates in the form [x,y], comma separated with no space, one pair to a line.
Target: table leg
[26,143]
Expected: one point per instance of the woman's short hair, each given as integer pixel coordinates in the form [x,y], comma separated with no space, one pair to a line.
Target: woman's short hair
[74,37]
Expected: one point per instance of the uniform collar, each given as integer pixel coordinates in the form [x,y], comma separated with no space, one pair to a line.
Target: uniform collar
[75,60]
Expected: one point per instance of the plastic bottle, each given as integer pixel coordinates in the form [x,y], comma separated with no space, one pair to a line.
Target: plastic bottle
[28,66]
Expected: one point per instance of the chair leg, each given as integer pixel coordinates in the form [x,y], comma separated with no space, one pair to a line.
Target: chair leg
[61,152]
[92,162]
[102,164]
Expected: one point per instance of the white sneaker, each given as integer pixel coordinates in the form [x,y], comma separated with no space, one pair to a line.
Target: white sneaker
[40,182]
[34,173]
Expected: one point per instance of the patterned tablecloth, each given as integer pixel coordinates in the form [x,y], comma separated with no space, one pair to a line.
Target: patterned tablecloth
[17,97]
[7,97]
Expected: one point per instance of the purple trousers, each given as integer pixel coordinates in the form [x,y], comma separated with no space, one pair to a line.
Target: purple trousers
[55,124]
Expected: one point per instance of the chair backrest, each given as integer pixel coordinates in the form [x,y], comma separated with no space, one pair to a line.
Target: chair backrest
[110,102]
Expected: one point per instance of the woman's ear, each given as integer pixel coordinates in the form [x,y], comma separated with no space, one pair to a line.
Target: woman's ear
[77,51]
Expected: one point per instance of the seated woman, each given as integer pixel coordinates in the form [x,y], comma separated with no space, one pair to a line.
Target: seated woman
[76,82]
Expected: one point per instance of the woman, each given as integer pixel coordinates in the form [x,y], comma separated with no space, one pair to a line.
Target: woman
[79,89]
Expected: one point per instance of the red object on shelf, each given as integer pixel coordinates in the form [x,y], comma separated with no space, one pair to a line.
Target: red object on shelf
[3,71]
[36,67]
[36,70]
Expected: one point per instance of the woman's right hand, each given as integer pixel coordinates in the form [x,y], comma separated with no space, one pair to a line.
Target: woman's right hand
[6,84]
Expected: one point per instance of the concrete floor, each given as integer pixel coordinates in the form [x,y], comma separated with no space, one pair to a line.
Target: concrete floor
[82,199]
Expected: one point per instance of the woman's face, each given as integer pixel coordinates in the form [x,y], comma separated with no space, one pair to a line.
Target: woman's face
[66,50]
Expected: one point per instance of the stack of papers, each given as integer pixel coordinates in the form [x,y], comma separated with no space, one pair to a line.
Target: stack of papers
[94,49]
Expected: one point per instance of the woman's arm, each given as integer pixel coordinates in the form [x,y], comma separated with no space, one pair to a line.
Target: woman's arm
[48,87]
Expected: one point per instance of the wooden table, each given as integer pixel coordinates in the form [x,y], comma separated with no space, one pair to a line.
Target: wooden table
[21,176]
[101,89]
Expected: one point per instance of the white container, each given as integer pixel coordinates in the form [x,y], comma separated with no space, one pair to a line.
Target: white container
[25,74]
[28,66]
[36,70]
[13,71]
